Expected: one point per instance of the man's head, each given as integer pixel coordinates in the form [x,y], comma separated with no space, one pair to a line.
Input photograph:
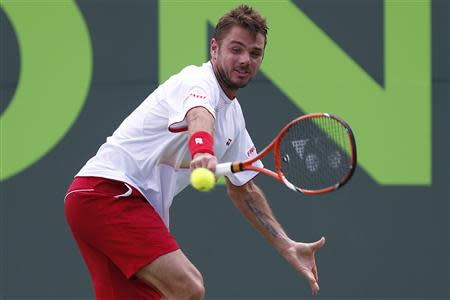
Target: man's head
[237,48]
[245,17]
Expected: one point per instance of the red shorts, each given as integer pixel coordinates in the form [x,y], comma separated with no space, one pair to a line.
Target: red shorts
[118,232]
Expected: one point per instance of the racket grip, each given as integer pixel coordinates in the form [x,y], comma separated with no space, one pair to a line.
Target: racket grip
[223,169]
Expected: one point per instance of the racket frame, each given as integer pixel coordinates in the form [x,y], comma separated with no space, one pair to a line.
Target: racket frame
[233,167]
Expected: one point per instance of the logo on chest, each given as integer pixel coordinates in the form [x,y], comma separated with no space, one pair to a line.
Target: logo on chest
[229,142]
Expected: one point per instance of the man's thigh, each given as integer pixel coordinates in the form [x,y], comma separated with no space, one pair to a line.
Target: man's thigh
[172,273]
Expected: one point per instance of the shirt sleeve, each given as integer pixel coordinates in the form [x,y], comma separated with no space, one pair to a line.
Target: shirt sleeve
[180,103]
[242,149]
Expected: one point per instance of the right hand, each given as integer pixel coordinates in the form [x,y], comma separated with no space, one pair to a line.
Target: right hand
[204,160]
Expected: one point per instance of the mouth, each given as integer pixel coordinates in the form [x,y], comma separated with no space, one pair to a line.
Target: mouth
[242,73]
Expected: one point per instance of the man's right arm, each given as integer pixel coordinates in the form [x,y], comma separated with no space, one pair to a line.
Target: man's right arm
[200,119]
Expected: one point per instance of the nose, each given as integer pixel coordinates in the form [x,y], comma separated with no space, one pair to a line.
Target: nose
[244,59]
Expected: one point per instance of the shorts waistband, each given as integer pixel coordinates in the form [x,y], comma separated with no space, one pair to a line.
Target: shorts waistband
[100,184]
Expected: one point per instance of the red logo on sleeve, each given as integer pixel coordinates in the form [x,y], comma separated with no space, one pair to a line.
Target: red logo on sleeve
[197,96]
[251,151]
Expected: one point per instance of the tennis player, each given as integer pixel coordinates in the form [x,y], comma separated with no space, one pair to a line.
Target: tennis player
[118,204]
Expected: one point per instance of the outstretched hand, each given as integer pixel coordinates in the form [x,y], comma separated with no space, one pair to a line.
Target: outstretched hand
[302,257]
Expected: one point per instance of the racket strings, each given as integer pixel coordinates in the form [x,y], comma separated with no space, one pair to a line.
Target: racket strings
[316,153]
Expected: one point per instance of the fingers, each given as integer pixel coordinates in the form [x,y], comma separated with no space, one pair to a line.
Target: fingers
[316,246]
[313,284]
[315,272]
[212,164]
[319,244]
[315,289]
[204,160]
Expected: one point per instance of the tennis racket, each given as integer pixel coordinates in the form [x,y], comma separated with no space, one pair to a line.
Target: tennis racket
[314,154]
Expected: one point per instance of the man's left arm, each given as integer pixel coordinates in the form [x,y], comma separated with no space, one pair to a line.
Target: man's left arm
[253,205]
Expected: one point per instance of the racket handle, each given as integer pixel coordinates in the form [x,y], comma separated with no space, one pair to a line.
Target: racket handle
[228,168]
[223,169]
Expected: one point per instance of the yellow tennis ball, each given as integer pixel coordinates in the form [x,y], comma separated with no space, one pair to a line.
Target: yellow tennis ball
[203,179]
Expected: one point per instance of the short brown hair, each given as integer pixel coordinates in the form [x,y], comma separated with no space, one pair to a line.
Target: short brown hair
[244,16]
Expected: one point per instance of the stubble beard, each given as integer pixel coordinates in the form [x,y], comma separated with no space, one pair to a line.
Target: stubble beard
[227,82]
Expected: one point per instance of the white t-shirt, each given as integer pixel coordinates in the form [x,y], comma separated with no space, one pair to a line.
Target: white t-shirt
[150,151]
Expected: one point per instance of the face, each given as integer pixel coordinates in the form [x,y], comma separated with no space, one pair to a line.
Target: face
[237,58]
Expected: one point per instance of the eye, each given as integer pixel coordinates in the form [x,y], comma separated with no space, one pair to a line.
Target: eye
[255,54]
[235,50]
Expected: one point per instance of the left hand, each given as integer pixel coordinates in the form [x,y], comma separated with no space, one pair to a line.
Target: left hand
[302,257]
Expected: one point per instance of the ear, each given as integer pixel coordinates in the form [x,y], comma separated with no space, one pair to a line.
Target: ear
[214,49]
